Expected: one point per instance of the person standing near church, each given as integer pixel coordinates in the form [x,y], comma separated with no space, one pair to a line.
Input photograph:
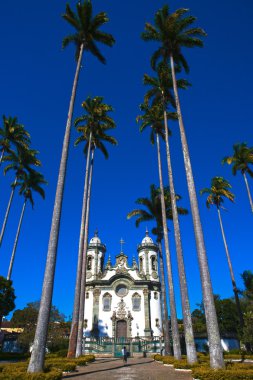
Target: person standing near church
[124,354]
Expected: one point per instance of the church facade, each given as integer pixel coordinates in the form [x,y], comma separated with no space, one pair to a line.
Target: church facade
[122,300]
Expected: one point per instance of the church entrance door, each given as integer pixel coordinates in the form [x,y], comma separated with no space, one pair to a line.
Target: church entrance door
[121,329]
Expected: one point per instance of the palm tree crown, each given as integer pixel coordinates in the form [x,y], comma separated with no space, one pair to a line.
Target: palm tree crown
[241,159]
[217,192]
[30,182]
[161,86]
[96,122]
[173,31]
[13,133]
[153,210]
[87,31]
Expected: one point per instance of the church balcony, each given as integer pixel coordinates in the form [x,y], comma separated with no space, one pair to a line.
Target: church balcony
[99,246]
[149,246]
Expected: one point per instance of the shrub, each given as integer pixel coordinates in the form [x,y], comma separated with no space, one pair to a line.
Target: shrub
[222,374]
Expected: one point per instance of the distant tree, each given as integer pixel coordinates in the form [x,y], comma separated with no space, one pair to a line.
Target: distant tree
[226,313]
[12,134]
[247,277]
[241,161]
[92,127]
[247,337]
[217,193]
[153,117]
[21,162]
[87,33]
[151,210]
[7,297]
[28,183]
[27,318]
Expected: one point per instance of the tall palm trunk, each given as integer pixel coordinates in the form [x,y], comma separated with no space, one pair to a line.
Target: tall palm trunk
[165,318]
[39,346]
[2,156]
[83,278]
[174,325]
[188,330]
[235,289]
[7,211]
[74,324]
[215,349]
[16,241]
[248,191]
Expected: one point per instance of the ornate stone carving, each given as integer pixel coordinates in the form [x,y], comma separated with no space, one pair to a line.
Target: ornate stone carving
[121,310]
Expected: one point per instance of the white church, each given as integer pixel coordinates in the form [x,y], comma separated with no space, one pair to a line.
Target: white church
[122,300]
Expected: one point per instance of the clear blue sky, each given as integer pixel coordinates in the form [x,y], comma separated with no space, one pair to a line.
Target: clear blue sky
[36,78]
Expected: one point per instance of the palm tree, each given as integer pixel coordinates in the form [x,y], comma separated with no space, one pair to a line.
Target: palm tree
[173,31]
[92,126]
[219,190]
[160,93]
[87,33]
[20,161]
[153,211]
[12,133]
[241,159]
[153,117]
[28,183]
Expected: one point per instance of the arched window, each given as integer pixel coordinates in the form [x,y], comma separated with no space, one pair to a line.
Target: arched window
[155,295]
[107,300]
[141,264]
[153,262]
[89,261]
[136,302]
[87,295]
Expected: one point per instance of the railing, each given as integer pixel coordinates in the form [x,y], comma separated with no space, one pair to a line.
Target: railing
[114,345]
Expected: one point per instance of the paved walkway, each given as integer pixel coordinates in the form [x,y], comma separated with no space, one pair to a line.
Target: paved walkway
[135,369]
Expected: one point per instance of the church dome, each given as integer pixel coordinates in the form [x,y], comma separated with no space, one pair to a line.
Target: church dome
[95,239]
[147,239]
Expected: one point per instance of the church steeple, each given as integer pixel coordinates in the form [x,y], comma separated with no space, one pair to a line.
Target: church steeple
[147,252]
[95,257]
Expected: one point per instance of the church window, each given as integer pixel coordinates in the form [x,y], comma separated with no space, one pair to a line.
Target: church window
[136,302]
[155,295]
[153,263]
[121,290]
[89,262]
[107,302]
[85,323]
[87,295]
[141,264]
[157,322]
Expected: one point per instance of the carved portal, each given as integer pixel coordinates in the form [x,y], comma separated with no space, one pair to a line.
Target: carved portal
[121,321]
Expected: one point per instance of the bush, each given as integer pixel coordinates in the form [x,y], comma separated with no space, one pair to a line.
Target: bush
[18,372]
[222,374]
[63,365]
[182,364]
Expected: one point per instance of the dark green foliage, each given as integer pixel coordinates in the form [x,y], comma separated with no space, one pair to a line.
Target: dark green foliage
[7,297]
[87,31]
[13,134]
[27,318]
[96,122]
[241,159]
[226,314]
[247,277]
[152,210]
[217,192]
[173,31]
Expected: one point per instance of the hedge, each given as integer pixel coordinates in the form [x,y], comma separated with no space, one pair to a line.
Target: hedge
[222,374]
